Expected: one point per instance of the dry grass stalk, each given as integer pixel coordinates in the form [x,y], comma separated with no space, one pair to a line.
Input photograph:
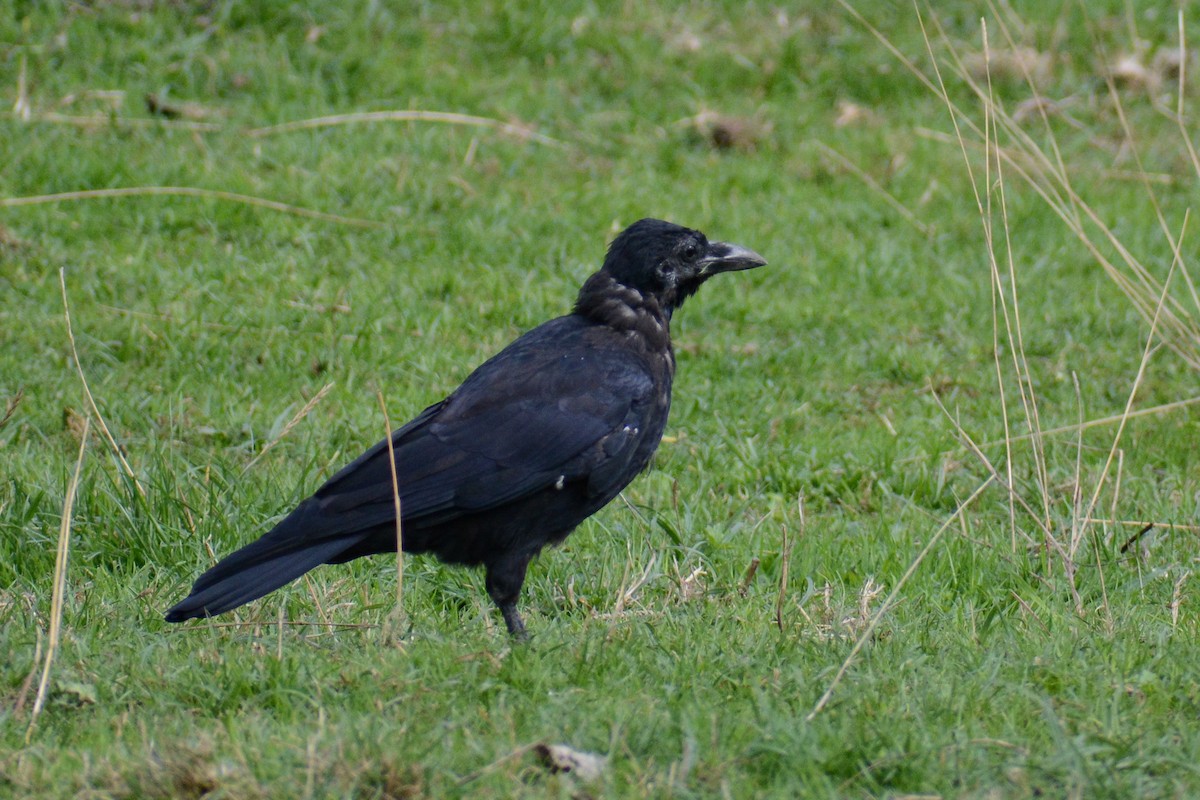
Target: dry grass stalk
[387,424]
[1135,523]
[23,693]
[21,107]
[891,601]
[520,131]
[1077,536]
[1045,171]
[59,588]
[291,423]
[629,589]
[110,121]
[1051,543]
[1177,598]
[785,562]
[185,191]
[112,442]
[1047,175]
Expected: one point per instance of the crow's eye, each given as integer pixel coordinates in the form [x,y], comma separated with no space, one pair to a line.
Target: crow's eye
[690,252]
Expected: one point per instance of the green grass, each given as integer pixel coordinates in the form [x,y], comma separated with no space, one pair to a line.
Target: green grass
[203,326]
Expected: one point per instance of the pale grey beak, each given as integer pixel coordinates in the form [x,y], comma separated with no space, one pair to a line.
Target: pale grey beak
[729,257]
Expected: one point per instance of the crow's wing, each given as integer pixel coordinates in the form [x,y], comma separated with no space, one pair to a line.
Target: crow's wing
[552,406]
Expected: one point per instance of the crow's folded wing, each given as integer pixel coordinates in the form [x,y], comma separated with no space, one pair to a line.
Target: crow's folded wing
[547,409]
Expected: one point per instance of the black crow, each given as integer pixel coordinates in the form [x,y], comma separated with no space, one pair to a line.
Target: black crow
[535,441]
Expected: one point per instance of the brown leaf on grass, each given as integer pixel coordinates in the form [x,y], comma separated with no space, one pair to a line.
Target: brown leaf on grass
[560,758]
[852,114]
[728,132]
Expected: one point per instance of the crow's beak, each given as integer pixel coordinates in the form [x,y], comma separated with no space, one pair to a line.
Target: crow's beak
[729,257]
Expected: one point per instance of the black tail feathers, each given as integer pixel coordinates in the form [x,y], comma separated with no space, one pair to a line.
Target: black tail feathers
[255,570]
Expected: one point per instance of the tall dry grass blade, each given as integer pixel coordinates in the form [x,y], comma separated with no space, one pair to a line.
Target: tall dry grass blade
[112,442]
[1137,381]
[785,563]
[1054,186]
[1179,118]
[869,630]
[1011,320]
[1131,141]
[1109,623]
[59,588]
[22,109]
[970,444]
[998,303]
[1109,420]
[1095,423]
[186,191]
[1077,489]
[387,424]
[1025,380]
[446,117]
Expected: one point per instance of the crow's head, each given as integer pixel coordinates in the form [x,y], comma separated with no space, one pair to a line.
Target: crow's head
[670,261]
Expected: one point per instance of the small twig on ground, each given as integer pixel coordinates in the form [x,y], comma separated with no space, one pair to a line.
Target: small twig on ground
[1137,537]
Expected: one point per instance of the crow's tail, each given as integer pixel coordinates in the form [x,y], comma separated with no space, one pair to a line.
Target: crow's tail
[258,568]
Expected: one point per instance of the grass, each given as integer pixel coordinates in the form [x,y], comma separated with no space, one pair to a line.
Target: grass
[1019,654]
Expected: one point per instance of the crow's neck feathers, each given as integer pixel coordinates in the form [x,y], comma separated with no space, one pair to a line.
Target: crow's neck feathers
[607,301]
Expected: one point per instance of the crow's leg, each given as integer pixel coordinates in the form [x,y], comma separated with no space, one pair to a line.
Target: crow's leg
[505,576]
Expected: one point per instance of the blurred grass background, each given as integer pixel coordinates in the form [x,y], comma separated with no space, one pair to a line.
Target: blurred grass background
[205,324]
